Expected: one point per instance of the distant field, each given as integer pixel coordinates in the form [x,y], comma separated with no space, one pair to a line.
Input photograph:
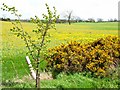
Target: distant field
[13,50]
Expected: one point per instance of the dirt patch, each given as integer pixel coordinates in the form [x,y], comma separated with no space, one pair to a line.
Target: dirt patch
[45,76]
[28,78]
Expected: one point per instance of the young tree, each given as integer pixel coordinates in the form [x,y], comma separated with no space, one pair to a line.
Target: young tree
[35,46]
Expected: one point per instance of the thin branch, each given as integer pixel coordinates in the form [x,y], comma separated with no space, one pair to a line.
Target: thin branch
[24,36]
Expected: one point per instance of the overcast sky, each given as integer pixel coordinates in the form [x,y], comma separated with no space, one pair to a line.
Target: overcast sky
[85,9]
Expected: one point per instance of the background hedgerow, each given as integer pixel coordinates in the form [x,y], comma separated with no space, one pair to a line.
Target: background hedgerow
[100,57]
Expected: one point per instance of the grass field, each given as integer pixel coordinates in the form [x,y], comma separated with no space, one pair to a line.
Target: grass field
[14,51]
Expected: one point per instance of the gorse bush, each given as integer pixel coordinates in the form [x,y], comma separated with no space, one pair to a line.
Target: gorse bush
[100,57]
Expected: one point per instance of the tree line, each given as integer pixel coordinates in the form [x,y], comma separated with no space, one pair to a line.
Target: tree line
[69,20]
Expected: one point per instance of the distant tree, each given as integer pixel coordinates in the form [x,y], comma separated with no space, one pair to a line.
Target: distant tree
[115,20]
[91,20]
[8,19]
[99,20]
[110,20]
[68,15]
[78,19]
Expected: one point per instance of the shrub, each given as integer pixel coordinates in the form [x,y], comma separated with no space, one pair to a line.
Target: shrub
[100,57]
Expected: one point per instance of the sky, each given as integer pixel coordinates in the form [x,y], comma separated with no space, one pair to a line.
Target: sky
[105,9]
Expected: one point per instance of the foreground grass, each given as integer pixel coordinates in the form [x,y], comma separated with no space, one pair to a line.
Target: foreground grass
[66,81]
[79,81]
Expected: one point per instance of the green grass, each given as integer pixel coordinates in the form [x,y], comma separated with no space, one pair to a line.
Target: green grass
[76,80]
[14,51]
[79,81]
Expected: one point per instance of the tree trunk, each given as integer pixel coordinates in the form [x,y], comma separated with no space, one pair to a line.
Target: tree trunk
[37,78]
[69,22]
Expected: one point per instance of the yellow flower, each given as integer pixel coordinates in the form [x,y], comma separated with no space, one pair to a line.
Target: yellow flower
[101,70]
[58,65]
[78,62]
[62,59]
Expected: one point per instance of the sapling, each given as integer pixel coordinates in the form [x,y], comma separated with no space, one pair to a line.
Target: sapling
[35,46]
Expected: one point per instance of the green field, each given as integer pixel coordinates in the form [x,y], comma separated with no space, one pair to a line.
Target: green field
[13,49]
